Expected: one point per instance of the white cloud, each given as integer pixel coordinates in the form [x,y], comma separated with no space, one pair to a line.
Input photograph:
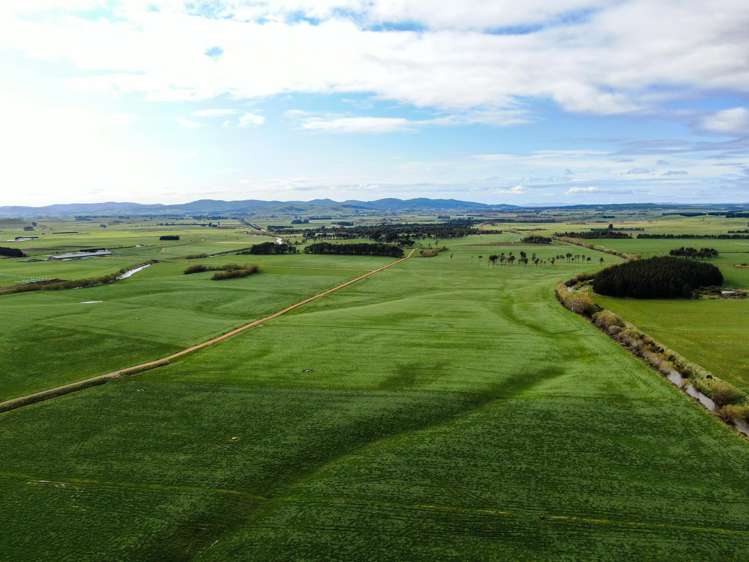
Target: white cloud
[250,120]
[214,112]
[517,190]
[355,124]
[729,121]
[589,189]
[373,124]
[603,63]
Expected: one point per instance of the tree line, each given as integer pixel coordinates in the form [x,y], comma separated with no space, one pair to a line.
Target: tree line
[525,259]
[271,248]
[11,252]
[695,236]
[659,277]
[701,253]
[356,249]
[594,234]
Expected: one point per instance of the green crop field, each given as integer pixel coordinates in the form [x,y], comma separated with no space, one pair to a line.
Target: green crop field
[442,409]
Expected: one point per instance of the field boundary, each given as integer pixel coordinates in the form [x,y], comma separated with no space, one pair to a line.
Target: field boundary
[687,376]
[97,380]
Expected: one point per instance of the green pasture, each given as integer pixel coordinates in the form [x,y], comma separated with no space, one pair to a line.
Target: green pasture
[54,337]
[444,409]
[712,333]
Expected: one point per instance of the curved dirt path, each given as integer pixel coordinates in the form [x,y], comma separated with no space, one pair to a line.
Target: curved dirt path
[42,395]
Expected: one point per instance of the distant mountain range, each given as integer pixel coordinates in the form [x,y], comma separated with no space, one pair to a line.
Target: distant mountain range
[250,207]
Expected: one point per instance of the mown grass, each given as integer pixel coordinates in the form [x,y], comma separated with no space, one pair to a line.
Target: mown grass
[443,409]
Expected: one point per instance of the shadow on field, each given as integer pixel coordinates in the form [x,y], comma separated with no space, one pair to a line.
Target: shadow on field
[224,514]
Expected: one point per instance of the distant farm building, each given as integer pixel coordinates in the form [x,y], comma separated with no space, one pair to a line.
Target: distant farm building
[82,254]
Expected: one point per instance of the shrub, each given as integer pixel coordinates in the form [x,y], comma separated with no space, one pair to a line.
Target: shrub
[577,302]
[196,256]
[537,240]
[195,269]
[235,273]
[11,252]
[731,412]
[724,393]
[662,277]
[431,252]
[606,320]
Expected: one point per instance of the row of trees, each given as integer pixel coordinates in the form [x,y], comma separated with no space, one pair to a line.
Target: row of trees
[11,252]
[360,249]
[654,236]
[271,248]
[699,253]
[594,234]
[653,278]
[523,258]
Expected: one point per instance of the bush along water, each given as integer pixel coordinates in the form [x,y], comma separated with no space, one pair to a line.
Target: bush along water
[732,404]
[60,284]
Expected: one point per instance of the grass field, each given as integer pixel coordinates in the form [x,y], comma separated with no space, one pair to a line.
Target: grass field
[444,409]
[713,333]
[55,337]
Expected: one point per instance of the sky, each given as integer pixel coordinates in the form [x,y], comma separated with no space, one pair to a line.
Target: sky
[539,102]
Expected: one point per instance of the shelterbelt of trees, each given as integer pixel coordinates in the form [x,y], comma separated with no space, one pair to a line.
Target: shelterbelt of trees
[695,236]
[654,278]
[593,234]
[11,252]
[270,248]
[701,253]
[360,249]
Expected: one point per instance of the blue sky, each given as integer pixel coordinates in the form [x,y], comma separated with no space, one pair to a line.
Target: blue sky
[540,102]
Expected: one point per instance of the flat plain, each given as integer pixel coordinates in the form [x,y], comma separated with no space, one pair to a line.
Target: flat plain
[445,408]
